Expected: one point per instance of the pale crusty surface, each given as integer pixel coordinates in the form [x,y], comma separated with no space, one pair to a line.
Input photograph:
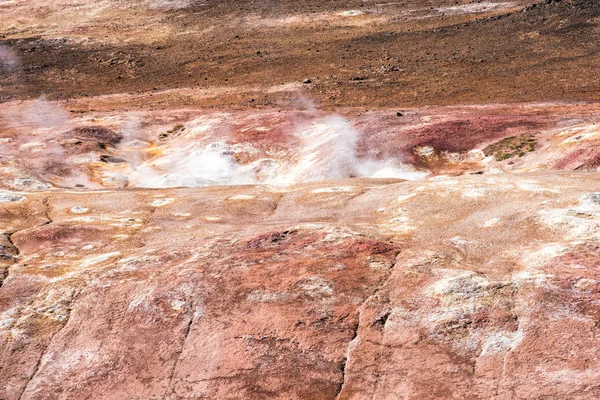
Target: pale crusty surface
[481,286]
[188,207]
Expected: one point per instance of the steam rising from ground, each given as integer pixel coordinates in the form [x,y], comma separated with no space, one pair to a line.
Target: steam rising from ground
[198,154]
[194,166]
[36,147]
[328,148]
[328,151]
[8,59]
[40,115]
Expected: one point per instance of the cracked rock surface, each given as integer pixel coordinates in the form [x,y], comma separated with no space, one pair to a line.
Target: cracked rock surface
[299,200]
[493,296]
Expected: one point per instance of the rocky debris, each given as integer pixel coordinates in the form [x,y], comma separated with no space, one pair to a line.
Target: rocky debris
[10,198]
[445,53]
[99,135]
[111,159]
[28,184]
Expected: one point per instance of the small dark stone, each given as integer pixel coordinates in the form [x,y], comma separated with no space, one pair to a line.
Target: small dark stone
[111,159]
[591,198]
[306,81]
[95,133]
[399,114]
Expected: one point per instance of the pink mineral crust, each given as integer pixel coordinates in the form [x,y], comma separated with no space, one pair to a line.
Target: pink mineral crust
[299,200]
[299,272]
[479,286]
[183,147]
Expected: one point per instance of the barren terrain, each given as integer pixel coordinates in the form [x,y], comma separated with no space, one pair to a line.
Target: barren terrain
[299,199]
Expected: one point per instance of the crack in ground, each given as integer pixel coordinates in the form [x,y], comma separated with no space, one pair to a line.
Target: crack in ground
[188,329]
[347,353]
[46,202]
[4,275]
[43,354]
[505,358]
[356,328]
[239,373]
[277,202]
[13,258]
[10,241]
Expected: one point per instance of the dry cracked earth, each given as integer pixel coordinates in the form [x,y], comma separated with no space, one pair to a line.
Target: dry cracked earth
[205,199]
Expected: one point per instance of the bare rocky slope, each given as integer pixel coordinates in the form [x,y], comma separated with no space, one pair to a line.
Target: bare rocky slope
[299,199]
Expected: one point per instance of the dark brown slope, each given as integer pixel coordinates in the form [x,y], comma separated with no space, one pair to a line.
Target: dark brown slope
[548,51]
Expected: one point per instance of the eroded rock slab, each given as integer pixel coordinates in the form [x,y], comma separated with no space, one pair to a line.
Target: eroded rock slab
[474,286]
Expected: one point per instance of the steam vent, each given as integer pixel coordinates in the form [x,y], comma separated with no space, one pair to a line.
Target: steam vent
[300,200]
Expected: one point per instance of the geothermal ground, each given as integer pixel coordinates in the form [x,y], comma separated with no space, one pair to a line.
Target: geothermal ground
[299,199]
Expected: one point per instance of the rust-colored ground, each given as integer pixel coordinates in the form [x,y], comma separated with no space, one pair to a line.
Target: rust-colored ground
[299,199]
[356,53]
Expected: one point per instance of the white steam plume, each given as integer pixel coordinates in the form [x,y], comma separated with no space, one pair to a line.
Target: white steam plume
[185,164]
[38,123]
[8,59]
[328,151]
[197,166]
